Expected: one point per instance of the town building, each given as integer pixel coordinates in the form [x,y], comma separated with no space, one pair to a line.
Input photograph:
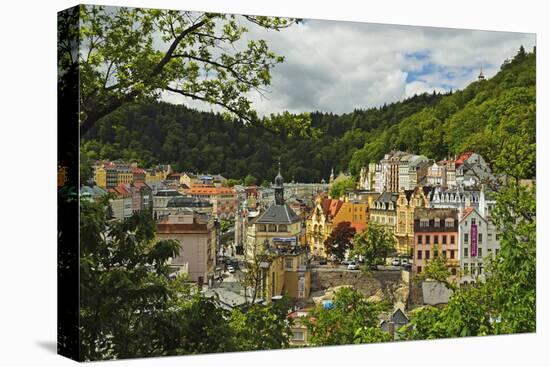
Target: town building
[407,202]
[407,168]
[382,211]
[300,332]
[472,170]
[319,224]
[436,234]
[197,238]
[354,212]
[224,199]
[273,238]
[121,203]
[478,240]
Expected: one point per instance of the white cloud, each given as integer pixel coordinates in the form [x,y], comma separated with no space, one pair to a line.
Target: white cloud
[339,66]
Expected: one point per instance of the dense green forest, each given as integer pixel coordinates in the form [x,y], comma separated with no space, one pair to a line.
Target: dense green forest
[493,117]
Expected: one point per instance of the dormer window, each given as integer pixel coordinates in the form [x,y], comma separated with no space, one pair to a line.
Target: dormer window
[437,222]
[424,222]
[449,223]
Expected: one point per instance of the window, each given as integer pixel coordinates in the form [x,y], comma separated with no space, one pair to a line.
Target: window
[452,252]
[437,222]
[282,228]
[497,236]
[465,268]
[289,264]
[297,335]
[479,252]
[272,228]
[480,268]
[449,223]
[419,254]
[473,221]
[497,251]
[424,222]
[452,239]
[453,271]
[480,237]
[427,254]
[427,240]
[419,240]
[465,237]
[473,269]
[419,269]
[436,239]
[465,251]
[444,239]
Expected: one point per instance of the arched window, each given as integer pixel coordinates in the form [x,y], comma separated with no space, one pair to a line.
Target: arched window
[282,228]
[272,228]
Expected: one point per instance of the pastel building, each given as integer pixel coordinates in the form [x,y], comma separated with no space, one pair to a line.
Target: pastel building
[436,234]
[197,238]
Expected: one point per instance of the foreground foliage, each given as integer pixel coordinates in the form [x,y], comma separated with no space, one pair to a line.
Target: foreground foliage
[130,308]
[351,320]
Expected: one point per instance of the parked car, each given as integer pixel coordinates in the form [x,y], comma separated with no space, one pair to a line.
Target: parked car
[346,262]
[407,267]
[396,262]
[353,266]
[405,262]
[322,261]
[230,269]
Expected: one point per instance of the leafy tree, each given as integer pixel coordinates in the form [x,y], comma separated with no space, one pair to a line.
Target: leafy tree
[262,327]
[339,240]
[250,180]
[437,269]
[339,187]
[374,245]
[351,320]
[200,56]
[130,307]
[232,182]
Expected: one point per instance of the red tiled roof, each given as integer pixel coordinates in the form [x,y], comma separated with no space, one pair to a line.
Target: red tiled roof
[467,212]
[462,158]
[209,190]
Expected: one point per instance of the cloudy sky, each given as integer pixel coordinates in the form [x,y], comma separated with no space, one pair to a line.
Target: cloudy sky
[339,66]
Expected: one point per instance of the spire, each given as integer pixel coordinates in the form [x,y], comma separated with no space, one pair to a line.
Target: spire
[481,76]
[279,187]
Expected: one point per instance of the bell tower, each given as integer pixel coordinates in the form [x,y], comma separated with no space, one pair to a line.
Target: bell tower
[278,186]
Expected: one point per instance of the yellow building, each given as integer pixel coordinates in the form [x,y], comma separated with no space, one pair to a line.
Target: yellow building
[153,177]
[407,202]
[356,213]
[319,224]
[125,177]
[273,240]
[101,177]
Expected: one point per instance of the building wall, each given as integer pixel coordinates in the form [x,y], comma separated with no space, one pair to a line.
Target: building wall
[196,250]
[473,268]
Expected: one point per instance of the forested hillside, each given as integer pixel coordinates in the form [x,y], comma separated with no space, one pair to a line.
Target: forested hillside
[494,117]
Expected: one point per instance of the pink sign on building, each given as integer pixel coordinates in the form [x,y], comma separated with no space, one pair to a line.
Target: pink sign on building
[473,235]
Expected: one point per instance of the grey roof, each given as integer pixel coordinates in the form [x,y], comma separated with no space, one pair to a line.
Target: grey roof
[387,197]
[183,202]
[93,191]
[276,214]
